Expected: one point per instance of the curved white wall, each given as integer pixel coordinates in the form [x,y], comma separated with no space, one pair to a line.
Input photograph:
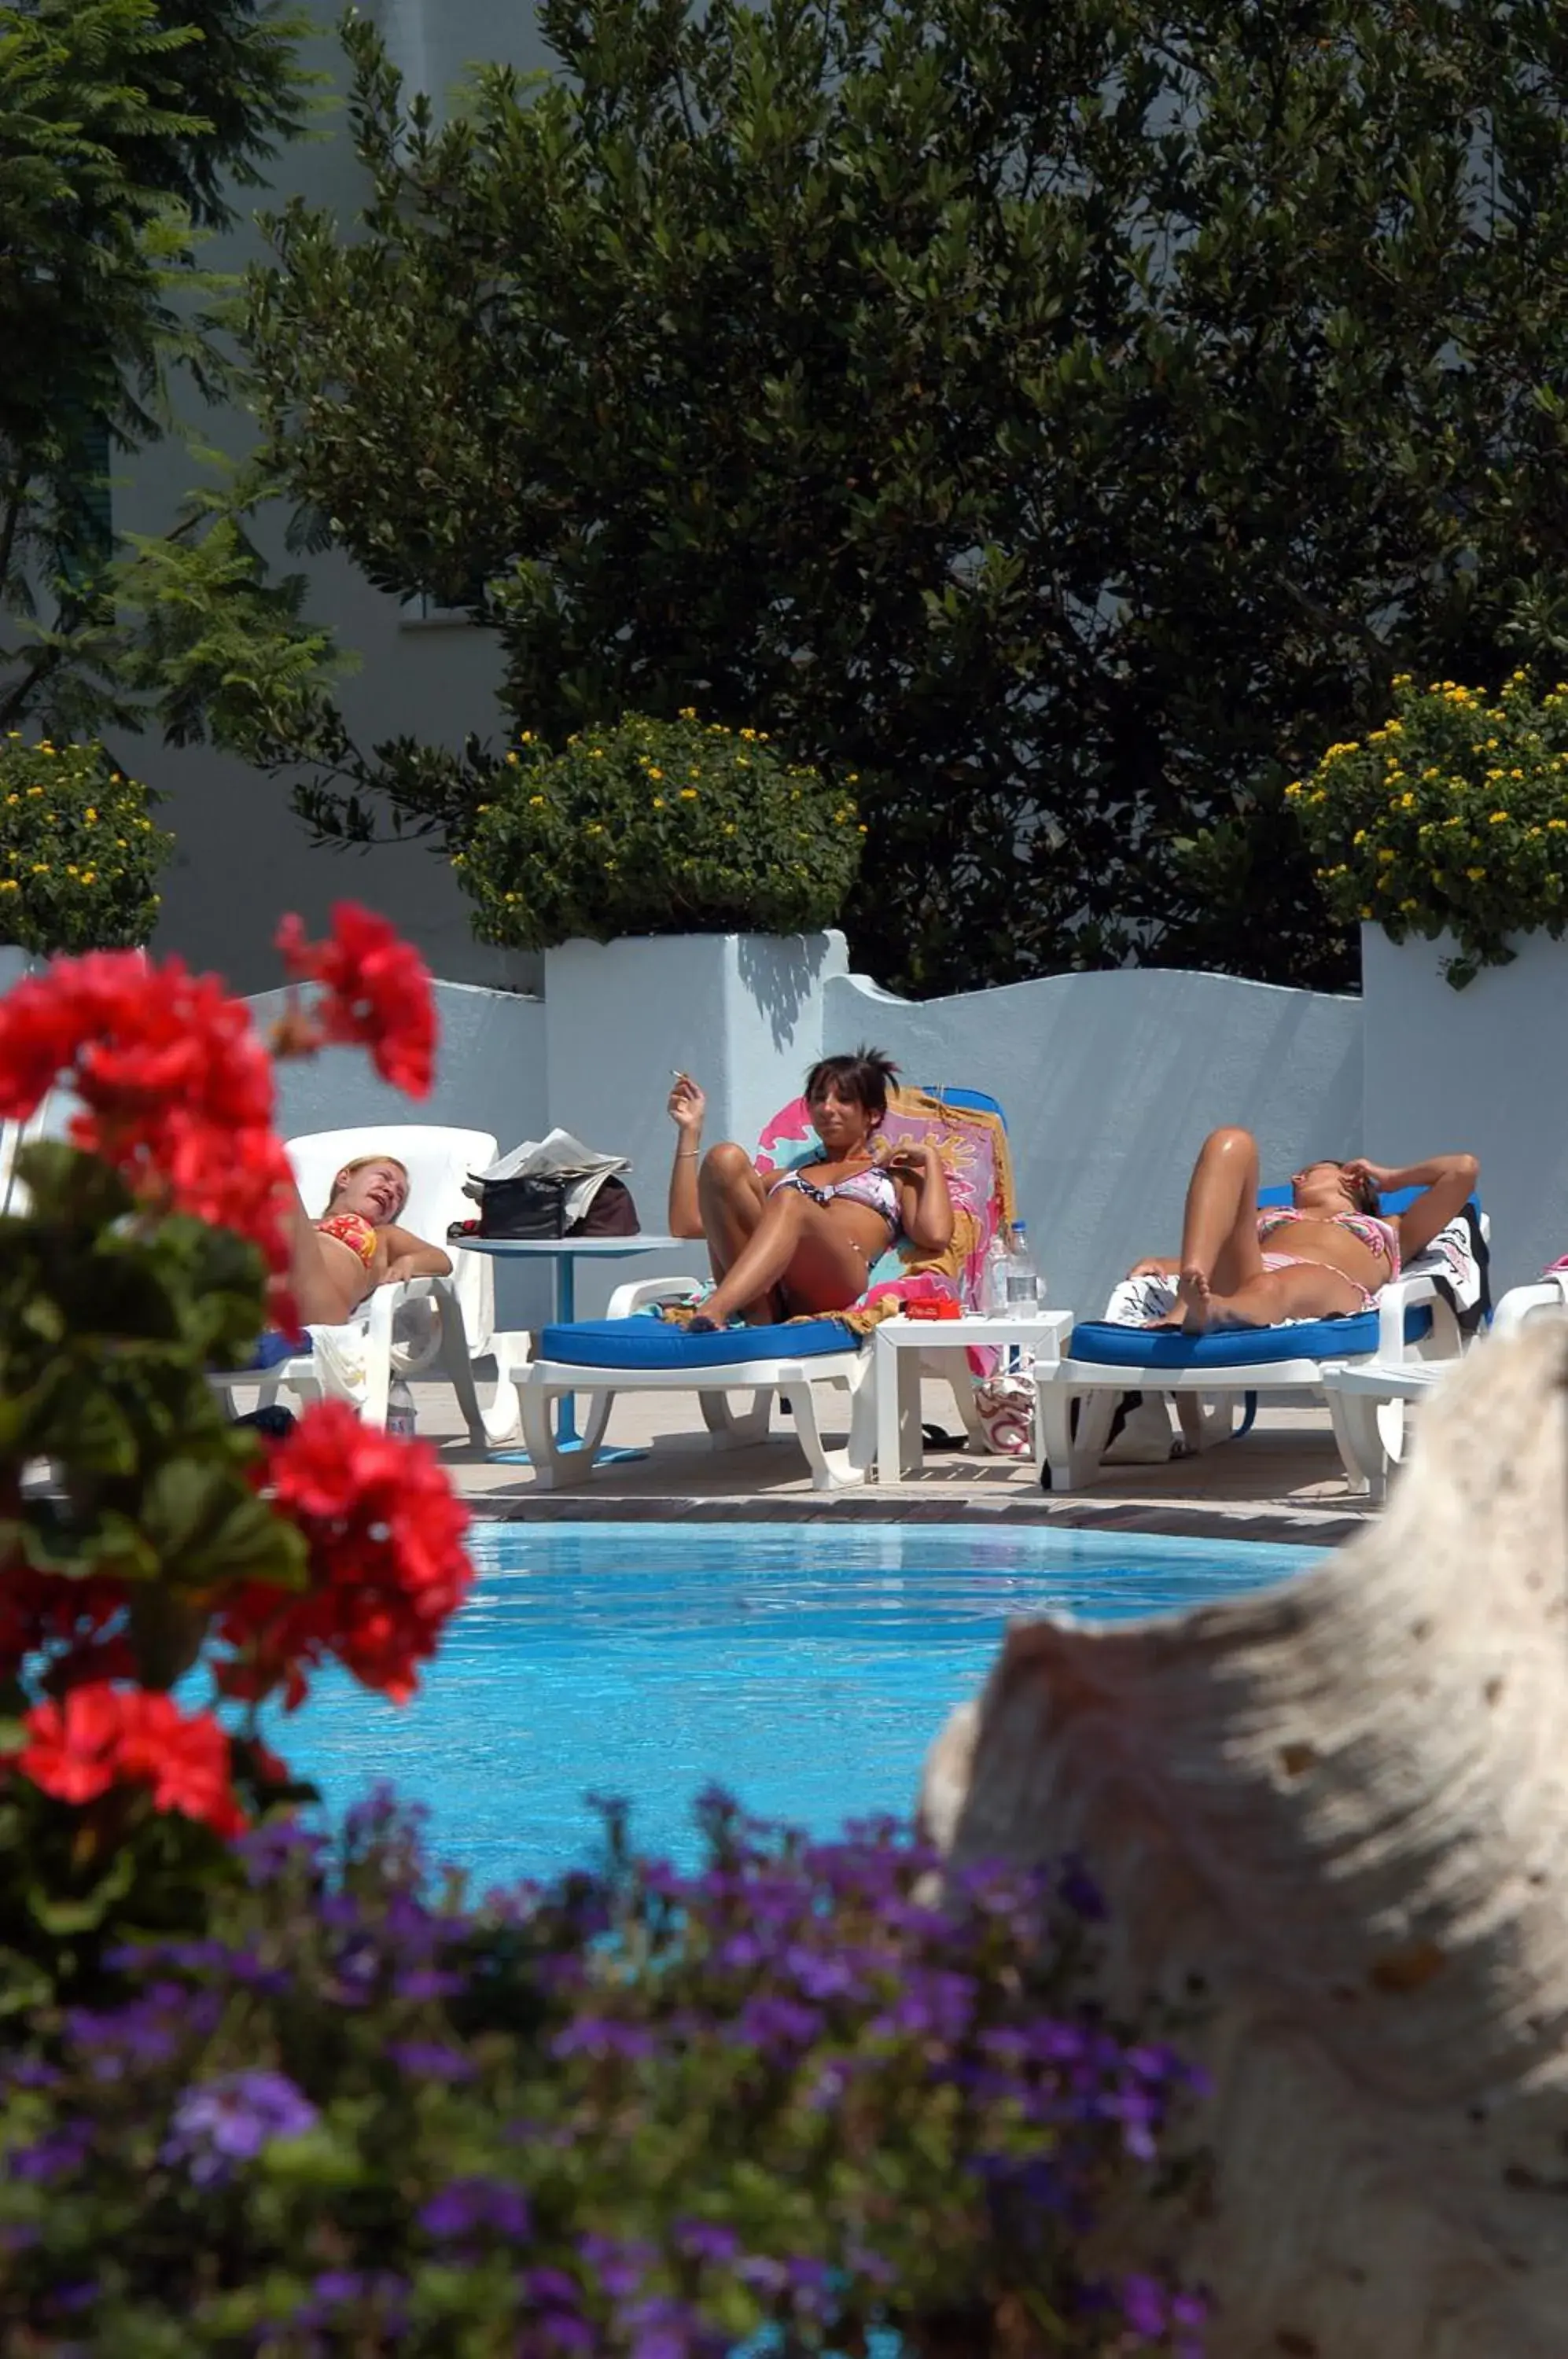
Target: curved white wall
[1111,1083]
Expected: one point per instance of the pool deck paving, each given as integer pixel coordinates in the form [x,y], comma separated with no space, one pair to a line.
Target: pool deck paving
[1281,1483]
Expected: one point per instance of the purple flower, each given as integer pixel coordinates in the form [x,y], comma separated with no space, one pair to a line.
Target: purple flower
[59,2153]
[32,2072]
[777,2026]
[604,2036]
[268,1850]
[379,2291]
[621,2268]
[470,2207]
[429,2060]
[706,2240]
[1145,2307]
[219,2123]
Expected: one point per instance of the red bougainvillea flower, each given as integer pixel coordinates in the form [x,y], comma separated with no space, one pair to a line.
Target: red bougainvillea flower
[176,1089]
[101,1736]
[387,1564]
[375,992]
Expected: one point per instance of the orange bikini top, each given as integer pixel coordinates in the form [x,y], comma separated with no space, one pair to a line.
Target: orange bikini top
[350,1229]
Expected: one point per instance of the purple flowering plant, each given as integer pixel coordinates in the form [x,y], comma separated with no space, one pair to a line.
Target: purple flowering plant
[810,2091]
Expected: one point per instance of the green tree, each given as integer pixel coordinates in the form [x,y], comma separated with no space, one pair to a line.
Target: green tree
[128,127]
[1068,419]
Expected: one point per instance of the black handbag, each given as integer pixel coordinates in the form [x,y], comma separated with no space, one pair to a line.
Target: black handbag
[531,1206]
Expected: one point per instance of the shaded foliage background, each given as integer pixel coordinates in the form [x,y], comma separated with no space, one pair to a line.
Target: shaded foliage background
[1067,417]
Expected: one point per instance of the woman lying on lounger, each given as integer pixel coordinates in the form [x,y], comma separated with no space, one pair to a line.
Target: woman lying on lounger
[356,1246]
[1326,1253]
[786,1243]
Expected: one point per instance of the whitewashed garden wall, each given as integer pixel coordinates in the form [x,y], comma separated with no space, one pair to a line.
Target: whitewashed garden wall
[1109,1081]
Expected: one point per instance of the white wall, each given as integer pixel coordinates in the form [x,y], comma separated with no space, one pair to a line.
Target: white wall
[1110,1084]
[1482,1070]
[1110,1081]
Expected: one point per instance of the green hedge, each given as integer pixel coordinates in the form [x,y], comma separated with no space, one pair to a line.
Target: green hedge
[658,828]
[79,853]
[1452,818]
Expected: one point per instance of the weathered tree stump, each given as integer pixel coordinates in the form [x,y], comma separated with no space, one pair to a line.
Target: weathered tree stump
[1338,1810]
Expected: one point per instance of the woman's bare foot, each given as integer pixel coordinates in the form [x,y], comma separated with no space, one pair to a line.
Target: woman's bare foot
[1195,1301]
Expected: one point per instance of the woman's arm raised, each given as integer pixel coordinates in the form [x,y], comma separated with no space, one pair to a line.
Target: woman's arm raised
[686,1107]
[1446,1180]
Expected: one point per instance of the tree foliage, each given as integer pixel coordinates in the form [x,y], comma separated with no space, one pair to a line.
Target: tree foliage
[129,127]
[1069,418]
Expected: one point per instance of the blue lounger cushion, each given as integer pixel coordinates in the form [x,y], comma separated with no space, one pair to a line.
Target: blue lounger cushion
[1236,1347]
[633,1343]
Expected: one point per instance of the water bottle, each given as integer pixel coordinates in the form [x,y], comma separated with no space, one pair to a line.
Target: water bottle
[401,1415]
[994,1279]
[1021,1278]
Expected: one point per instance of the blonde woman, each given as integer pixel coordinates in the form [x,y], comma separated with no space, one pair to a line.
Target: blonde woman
[356,1244]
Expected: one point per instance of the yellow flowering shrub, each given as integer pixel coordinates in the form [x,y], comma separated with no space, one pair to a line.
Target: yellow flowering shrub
[656,827]
[79,852]
[1452,818]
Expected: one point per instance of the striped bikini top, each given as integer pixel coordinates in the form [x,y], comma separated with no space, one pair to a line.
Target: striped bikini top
[1379,1237]
[350,1229]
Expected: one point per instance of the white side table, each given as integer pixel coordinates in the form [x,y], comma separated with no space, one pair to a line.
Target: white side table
[899,1345]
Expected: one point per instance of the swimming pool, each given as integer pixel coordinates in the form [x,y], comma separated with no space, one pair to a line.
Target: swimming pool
[807,1667]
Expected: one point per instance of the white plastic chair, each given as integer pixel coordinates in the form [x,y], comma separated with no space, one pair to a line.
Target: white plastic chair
[1367,1401]
[437,1161]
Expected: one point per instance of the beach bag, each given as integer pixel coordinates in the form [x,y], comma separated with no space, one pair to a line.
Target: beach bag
[535,1206]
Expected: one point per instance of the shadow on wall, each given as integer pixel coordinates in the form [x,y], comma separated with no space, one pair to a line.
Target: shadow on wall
[781,980]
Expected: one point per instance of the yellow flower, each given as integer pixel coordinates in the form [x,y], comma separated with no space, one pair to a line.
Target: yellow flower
[854,778]
[1474,875]
[1384,853]
[40,868]
[1407,802]
[654,773]
[688,712]
[1367,913]
[1293,790]
[1499,819]
[658,800]
[1360,836]
[89,814]
[688,794]
[1410,905]
[513,759]
[526,737]
[90,877]
[1556,825]
[536,802]
[34,790]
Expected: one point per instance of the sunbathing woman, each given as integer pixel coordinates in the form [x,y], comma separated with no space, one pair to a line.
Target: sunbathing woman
[356,1246]
[1327,1252]
[787,1243]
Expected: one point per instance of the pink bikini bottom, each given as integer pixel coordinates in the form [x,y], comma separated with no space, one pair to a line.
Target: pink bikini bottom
[1272,1261]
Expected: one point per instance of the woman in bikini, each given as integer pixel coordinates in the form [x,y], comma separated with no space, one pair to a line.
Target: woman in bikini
[1327,1252]
[782,1244]
[356,1245]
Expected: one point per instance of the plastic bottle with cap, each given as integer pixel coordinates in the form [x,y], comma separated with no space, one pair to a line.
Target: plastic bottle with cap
[402,1418]
[1024,1287]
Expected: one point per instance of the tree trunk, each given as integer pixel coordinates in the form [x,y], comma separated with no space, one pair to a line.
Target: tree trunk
[1332,1819]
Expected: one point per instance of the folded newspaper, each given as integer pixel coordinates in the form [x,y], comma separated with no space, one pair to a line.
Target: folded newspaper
[557,1156]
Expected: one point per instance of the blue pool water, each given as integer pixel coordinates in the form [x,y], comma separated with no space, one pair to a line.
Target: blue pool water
[807,1667]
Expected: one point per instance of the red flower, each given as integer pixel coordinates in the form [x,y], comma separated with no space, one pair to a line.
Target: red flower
[377,992]
[76,1626]
[101,1736]
[176,1090]
[387,1565]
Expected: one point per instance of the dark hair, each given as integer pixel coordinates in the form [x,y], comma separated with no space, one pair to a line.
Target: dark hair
[867,1077]
[1364,1194]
